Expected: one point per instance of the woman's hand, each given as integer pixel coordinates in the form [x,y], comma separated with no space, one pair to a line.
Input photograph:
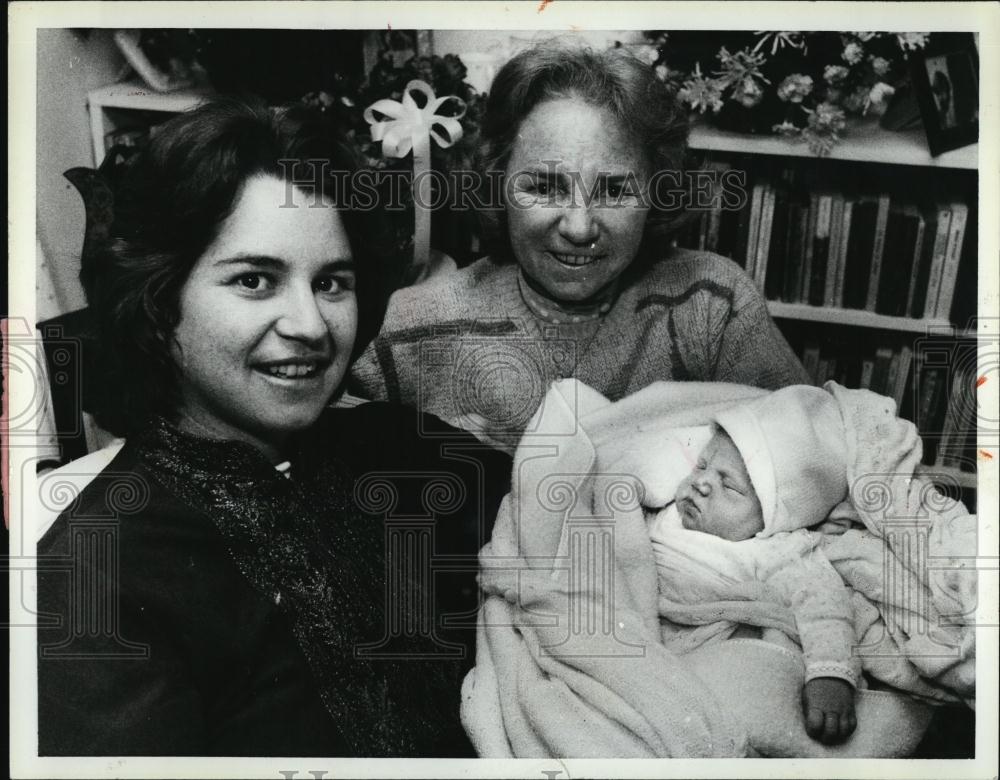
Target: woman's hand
[828,707]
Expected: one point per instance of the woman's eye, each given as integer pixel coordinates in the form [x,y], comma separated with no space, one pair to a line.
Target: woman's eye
[615,191]
[252,281]
[333,284]
[701,465]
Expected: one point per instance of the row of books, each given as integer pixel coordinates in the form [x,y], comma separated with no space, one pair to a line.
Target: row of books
[957,444]
[803,241]
[938,396]
[887,372]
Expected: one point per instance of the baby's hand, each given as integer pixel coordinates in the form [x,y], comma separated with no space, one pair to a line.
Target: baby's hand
[828,706]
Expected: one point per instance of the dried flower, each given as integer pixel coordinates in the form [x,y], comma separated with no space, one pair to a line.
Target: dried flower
[787,129]
[700,92]
[748,93]
[827,115]
[912,41]
[795,87]
[739,67]
[856,100]
[834,74]
[880,65]
[823,128]
[779,40]
[878,96]
[853,53]
[864,37]
[662,72]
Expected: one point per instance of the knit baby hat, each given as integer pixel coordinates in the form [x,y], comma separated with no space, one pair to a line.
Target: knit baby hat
[794,447]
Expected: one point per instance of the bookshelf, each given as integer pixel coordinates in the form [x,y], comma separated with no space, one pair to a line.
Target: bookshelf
[863,141]
[871,319]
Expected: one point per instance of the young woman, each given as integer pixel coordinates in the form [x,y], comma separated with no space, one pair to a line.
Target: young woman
[255,573]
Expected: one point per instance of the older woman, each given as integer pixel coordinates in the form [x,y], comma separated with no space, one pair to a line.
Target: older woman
[230,584]
[581,280]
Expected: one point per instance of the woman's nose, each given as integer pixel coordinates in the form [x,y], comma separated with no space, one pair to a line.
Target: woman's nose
[301,318]
[577,225]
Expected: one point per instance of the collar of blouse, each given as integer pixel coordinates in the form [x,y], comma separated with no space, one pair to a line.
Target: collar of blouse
[562,313]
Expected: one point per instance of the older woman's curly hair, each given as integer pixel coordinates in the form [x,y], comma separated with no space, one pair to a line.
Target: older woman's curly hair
[612,80]
[168,209]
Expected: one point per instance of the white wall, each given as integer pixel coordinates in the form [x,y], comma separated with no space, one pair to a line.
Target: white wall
[484,51]
[70,64]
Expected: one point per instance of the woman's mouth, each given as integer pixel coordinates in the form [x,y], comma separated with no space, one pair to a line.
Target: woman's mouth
[575,260]
[294,370]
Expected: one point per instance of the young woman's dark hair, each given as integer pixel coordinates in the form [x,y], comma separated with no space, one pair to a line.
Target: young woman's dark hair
[613,80]
[172,200]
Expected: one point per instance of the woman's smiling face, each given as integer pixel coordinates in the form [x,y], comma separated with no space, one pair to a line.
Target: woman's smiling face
[267,319]
[569,152]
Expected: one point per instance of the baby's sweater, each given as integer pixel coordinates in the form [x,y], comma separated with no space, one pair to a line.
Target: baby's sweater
[786,571]
[468,347]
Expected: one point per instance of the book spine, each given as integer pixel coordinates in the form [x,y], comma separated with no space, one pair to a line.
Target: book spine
[754,236]
[937,261]
[878,250]
[918,252]
[764,241]
[949,272]
[867,370]
[810,362]
[844,246]
[821,251]
[880,370]
[893,376]
[905,362]
[946,455]
[798,235]
[810,245]
[739,252]
[833,254]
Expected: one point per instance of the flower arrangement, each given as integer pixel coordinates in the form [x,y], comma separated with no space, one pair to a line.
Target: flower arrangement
[802,85]
[397,65]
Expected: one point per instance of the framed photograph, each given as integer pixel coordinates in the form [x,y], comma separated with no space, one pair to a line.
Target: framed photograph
[946,81]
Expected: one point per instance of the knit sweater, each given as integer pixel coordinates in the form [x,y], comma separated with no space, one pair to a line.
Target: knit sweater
[479,349]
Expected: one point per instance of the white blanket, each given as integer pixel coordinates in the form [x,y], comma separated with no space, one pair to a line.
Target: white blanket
[569,658]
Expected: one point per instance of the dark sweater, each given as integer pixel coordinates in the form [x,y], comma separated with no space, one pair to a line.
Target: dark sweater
[196,602]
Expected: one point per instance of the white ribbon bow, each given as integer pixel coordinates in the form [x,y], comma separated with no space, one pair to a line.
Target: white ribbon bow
[408,126]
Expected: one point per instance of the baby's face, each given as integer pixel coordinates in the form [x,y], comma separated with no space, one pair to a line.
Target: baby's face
[717,497]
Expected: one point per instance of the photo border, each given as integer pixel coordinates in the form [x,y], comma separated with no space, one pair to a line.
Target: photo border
[24,20]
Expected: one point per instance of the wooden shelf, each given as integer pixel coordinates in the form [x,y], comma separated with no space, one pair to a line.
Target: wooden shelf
[863,141]
[967,480]
[857,317]
[136,96]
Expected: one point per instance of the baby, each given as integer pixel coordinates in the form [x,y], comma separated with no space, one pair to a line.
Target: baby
[734,535]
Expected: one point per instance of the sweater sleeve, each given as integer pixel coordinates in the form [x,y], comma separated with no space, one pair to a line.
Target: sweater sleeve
[752,350]
[820,602]
[102,694]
